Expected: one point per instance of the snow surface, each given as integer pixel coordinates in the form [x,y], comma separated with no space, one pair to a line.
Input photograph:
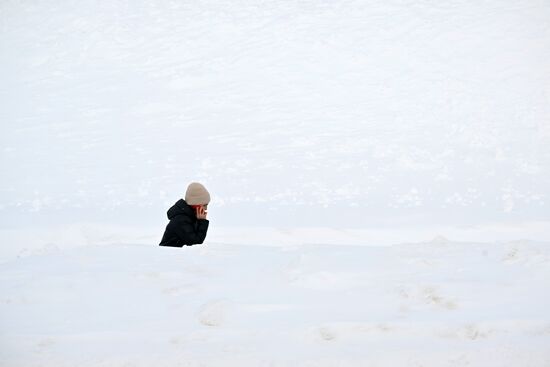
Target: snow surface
[379,170]
[438,303]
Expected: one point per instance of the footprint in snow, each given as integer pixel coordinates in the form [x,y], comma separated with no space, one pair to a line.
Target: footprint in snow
[327,334]
[214,313]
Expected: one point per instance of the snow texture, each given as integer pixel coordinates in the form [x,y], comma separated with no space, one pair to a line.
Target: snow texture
[316,113]
[379,171]
[437,303]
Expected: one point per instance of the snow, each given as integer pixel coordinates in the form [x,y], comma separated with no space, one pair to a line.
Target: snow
[437,303]
[379,173]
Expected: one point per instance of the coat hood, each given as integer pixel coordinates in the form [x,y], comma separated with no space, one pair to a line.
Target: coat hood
[180,208]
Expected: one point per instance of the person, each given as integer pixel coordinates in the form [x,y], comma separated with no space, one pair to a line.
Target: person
[188,224]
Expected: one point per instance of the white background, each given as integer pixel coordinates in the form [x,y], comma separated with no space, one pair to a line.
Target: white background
[379,173]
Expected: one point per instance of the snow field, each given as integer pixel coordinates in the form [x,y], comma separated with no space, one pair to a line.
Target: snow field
[440,303]
[336,138]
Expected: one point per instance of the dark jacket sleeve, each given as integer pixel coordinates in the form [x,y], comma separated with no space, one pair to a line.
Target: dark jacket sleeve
[192,233]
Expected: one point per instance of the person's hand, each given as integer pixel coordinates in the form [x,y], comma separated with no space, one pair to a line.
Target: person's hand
[201,212]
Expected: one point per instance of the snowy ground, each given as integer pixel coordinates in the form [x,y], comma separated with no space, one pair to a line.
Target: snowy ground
[426,304]
[380,176]
[383,111]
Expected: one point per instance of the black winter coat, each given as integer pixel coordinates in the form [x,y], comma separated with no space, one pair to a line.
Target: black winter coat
[184,228]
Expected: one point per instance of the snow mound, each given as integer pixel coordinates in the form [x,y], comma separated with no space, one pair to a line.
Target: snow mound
[217,305]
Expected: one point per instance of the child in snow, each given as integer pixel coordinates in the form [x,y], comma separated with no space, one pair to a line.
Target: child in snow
[188,224]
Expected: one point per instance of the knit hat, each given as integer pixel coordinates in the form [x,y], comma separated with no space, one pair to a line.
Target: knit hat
[197,194]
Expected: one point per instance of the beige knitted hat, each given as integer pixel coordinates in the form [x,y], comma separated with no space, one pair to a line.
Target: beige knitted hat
[197,194]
